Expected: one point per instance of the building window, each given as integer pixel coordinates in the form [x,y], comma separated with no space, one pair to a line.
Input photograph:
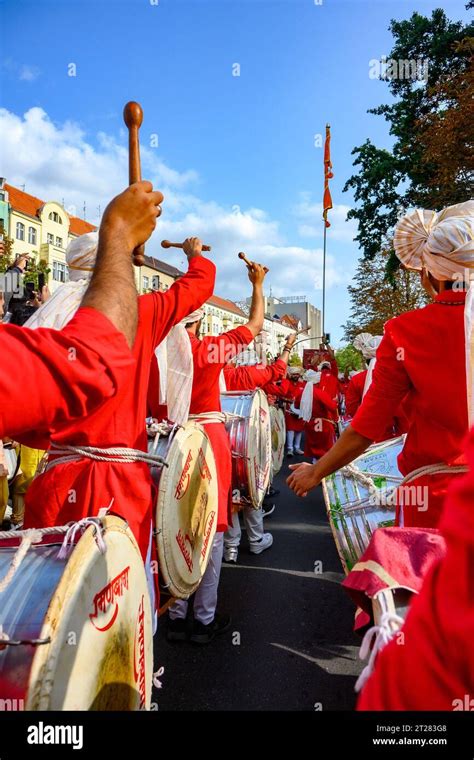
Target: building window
[50,239]
[55,217]
[146,283]
[32,235]
[59,271]
[155,282]
[59,242]
[20,231]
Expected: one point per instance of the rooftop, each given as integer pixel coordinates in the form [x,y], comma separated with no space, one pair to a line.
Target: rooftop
[30,205]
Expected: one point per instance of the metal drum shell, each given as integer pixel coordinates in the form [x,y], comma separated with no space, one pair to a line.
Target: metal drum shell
[251,452]
[352,518]
[95,657]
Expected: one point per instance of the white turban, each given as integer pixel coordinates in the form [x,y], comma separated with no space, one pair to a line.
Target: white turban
[306,403]
[442,243]
[324,365]
[367,344]
[60,308]
[295,370]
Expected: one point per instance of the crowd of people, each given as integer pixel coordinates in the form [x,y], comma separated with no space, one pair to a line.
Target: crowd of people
[140,357]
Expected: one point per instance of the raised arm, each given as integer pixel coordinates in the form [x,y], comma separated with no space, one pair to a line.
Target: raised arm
[257,310]
[128,221]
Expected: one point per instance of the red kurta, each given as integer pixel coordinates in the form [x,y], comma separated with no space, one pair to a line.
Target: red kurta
[205,397]
[248,378]
[354,392]
[73,490]
[434,669]
[48,378]
[293,391]
[318,442]
[422,355]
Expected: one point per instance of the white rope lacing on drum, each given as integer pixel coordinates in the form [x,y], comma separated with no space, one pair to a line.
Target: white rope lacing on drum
[225,417]
[118,454]
[380,495]
[435,469]
[390,624]
[156,678]
[28,537]
[82,525]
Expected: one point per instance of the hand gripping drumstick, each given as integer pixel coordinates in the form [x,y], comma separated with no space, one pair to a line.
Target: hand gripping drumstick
[133,117]
[242,256]
[167,244]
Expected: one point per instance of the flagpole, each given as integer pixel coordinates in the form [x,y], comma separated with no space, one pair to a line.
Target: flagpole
[323,331]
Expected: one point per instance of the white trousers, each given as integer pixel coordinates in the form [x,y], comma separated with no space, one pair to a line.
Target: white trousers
[205,597]
[293,439]
[253,521]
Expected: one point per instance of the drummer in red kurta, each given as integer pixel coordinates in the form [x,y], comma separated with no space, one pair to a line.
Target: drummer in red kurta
[408,364]
[210,355]
[54,389]
[76,489]
[318,410]
[250,377]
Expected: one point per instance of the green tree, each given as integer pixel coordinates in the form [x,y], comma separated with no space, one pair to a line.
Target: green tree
[349,358]
[375,299]
[390,182]
[6,257]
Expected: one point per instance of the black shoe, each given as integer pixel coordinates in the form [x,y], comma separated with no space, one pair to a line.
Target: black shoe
[177,630]
[221,623]
[204,634]
[268,509]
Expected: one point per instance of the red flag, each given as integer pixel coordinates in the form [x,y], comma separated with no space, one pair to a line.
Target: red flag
[327,200]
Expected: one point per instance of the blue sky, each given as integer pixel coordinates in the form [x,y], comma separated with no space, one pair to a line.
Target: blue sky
[236,155]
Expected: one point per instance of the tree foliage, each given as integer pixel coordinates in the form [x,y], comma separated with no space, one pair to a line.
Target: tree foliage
[375,299]
[349,358]
[430,120]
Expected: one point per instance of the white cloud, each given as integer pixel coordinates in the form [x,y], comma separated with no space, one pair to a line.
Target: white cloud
[28,73]
[57,161]
[310,214]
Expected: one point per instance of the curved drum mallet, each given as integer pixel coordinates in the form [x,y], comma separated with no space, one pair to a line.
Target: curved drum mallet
[167,244]
[242,256]
[133,117]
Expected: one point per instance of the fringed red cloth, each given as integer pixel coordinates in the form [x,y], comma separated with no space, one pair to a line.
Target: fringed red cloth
[395,558]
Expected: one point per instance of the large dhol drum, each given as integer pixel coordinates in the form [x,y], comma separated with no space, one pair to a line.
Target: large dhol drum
[350,506]
[77,631]
[186,506]
[250,443]
[277,419]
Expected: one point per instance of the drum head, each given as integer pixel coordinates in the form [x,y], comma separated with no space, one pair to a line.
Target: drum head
[186,510]
[100,656]
[259,449]
[278,438]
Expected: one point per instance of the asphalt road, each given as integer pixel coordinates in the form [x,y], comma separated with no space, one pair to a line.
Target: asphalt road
[290,645]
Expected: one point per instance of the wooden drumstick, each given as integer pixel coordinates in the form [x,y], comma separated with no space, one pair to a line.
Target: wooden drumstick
[242,256]
[133,117]
[167,244]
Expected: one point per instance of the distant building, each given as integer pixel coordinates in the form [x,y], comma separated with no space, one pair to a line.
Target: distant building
[298,309]
[44,229]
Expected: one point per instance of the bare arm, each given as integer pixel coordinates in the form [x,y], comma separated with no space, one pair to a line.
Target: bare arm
[287,348]
[257,312]
[128,221]
[347,448]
